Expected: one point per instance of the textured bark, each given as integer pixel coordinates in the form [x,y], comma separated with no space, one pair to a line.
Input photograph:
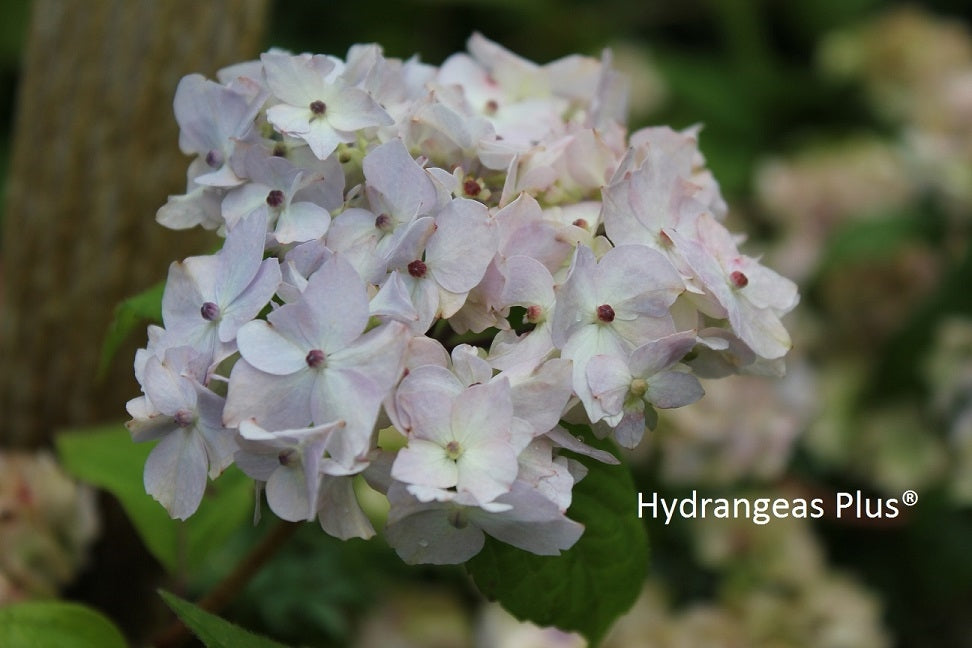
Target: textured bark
[95,154]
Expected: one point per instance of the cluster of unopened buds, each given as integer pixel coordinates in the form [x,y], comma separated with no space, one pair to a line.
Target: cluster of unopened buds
[373,208]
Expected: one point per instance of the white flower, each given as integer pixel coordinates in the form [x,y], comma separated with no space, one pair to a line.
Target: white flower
[625,388]
[185,417]
[750,295]
[208,298]
[453,531]
[290,462]
[602,311]
[466,441]
[312,362]
[317,106]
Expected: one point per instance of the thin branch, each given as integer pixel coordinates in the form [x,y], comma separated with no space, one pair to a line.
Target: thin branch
[176,633]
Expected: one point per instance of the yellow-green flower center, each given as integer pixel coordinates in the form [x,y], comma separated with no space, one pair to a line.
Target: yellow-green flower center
[453,450]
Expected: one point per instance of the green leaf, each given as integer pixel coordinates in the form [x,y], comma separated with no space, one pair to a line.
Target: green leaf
[587,587]
[213,631]
[57,623]
[143,307]
[106,457]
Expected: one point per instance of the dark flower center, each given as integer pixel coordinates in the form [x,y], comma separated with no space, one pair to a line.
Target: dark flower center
[315,358]
[471,188]
[275,198]
[383,222]
[318,107]
[605,313]
[184,418]
[738,279]
[287,457]
[209,312]
[214,159]
[417,268]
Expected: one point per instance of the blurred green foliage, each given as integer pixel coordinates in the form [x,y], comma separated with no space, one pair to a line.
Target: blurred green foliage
[13,27]
[316,588]
[106,457]
[132,314]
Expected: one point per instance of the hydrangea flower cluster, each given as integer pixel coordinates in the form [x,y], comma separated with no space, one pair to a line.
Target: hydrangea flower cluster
[374,209]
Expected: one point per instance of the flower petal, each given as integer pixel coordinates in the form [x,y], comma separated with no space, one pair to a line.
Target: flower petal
[339,513]
[175,473]
[462,246]
[287,494]
[262,345]
[425,463]
[673,389]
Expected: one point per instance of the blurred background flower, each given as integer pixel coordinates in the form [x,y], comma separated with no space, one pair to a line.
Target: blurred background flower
[47,525]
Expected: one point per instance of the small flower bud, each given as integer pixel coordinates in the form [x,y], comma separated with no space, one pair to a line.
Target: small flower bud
[315,358]
[471,188]
[209,312]
[214,159]
[605,313]
[533,314]
[417,268]
[184,418]
[383,222]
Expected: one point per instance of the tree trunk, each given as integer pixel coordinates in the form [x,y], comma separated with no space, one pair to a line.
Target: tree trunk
[95,154]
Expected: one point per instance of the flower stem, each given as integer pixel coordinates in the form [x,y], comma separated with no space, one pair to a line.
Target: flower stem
[216,600]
